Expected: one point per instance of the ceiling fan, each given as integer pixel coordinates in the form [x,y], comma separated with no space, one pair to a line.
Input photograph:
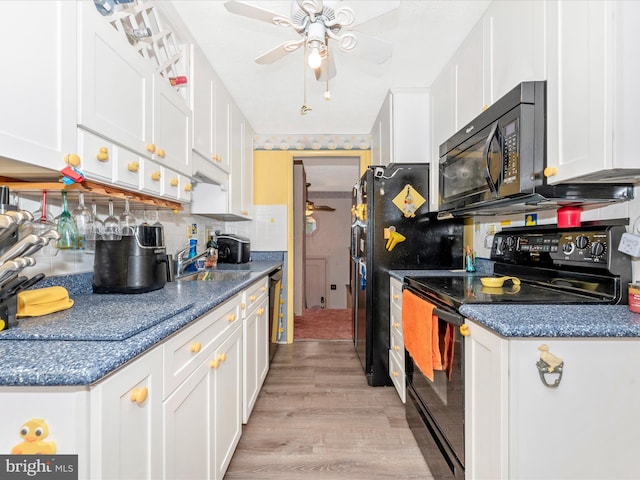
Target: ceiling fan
[318,22]
[311,207]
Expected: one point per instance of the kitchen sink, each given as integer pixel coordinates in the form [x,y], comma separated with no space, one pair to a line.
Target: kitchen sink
[213,276]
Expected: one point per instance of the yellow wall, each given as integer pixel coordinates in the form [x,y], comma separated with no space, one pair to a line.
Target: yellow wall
[273,185]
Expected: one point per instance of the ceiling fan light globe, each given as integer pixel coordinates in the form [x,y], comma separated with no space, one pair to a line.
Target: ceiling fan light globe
[314,59]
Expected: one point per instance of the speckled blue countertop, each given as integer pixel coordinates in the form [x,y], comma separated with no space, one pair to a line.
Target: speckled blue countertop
[100,333]
[512,320]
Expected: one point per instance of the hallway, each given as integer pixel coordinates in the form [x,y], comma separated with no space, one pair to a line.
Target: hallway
[316,418]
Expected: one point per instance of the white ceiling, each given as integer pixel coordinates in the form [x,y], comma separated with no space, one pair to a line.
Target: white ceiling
[424,34]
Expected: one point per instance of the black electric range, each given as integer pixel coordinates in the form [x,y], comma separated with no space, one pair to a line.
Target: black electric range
[554,266]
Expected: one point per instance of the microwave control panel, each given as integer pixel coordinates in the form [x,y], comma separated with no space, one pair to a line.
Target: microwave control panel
[510,160]
[588,248]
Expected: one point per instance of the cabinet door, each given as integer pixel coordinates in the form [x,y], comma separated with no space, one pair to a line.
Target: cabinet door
[37,88]
[486,404]
[203,105]
[236,153]
[171,127]
[222,126]
[115,93]
[247,169]
[468,62]
[188,426]
[256,354]
[579,78]
[411,126]
[126,421]
[385,119]
[513,45]
[226,405]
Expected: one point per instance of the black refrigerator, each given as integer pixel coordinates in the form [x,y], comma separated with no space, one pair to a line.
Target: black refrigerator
[392,229]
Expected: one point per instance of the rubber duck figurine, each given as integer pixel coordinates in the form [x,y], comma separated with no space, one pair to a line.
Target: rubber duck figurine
[33,432]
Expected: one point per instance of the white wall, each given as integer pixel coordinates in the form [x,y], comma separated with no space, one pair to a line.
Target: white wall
[332,241]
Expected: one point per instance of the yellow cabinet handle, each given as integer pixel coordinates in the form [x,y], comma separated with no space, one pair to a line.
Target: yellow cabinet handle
[160,152]
[133,166]
[396,348]
[550,171]
[394,374]
[188,187]
[214,363]
[231,317]
[244,212]
[464,330]
[263,289]
[222,356]
[195,347]
[396,325]
[72,159]
[260,311]
[174,182]
[155,176]
[396,296]
[216,157]
[139,395]
[103,154]
[150,147]
[243,306]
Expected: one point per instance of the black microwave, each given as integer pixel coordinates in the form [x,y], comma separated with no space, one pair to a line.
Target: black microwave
[500,155]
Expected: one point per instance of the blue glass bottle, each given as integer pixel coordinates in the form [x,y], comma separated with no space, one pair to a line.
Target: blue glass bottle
[192,253]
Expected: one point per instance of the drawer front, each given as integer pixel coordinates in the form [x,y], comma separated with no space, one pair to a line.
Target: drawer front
[396,372]
[396,345]
[395,293]
[152,178]
[186,350]
[128,170]
[97,157]
[253,295]
[395,320]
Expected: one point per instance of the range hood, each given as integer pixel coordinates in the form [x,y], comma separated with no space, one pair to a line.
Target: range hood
[547,197]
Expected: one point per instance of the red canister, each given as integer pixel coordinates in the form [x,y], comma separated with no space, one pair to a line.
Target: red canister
[634,297]
[569,217]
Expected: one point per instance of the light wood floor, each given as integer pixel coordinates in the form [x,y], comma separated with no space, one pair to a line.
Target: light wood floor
[316,418]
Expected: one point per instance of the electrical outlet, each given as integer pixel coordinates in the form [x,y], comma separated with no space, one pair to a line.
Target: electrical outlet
[630,244]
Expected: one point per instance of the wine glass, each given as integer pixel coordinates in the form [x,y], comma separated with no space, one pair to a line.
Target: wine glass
[67,227]
[83,218]
[111,225]
[42,222]
[95,229]
[127,220]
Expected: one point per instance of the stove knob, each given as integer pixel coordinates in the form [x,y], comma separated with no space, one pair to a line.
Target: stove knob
[568,248]
[510,241]
[597,249]
[582,242]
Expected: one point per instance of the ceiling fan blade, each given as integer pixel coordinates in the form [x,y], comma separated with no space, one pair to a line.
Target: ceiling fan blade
[324,208]
[250,11]
[279,51]
[369,48]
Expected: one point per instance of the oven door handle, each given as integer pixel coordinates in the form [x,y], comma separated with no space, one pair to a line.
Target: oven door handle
[449,317]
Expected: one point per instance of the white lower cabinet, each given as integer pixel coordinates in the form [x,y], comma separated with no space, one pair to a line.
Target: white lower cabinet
[126,421]
[517,427]
[256,343]
[396,339]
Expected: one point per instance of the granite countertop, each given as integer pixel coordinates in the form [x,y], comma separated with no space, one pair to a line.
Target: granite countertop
[101,332]
[551,321]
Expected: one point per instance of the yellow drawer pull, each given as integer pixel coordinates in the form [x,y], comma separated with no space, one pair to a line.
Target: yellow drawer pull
[253,298]
[394,374]
[195,347]
[550,171]
[150,147]
[231,317]
[396,348]
[103,154]
[396,325]
[188,187]
[260,311]
[174,182]
[242,306]
[139,395]
[222,356]
[263,289]
[396,296]
[214,363]
[464,330]
[160,152]
[133,166]
[155,176]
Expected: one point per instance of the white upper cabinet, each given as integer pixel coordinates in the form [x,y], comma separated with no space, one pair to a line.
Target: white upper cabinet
[38,87]
[593,67]
[469,78]
[115,91]
[401,133]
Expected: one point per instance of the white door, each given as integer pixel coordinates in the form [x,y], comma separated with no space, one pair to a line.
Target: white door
[315,282]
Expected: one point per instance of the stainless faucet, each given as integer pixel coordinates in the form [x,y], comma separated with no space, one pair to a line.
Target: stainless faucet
[180,262]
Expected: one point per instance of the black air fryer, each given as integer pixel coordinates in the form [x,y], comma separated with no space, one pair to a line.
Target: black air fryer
[233,248]
[133,264]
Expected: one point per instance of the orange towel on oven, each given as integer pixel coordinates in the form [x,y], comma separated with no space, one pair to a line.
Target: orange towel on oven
[420,332]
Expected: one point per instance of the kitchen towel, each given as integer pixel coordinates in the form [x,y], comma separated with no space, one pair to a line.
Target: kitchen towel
[420,332]
[42,301]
